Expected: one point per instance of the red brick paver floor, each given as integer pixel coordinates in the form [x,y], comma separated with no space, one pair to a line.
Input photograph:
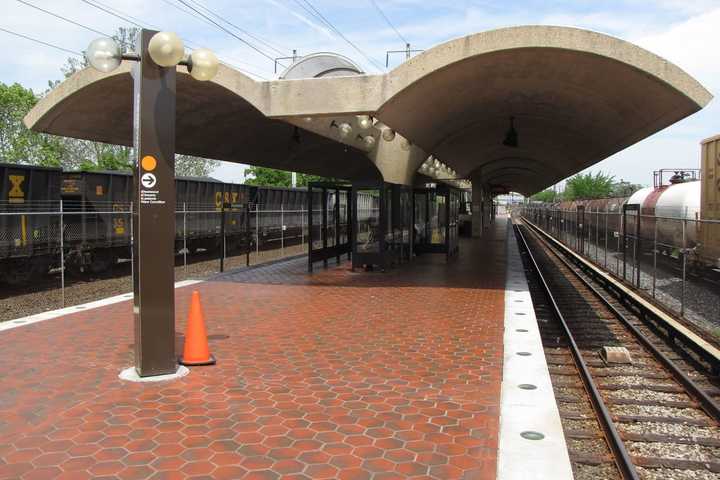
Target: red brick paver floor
[335,375]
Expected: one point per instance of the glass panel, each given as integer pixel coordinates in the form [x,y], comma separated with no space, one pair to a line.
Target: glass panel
[367,234]
[438,220]
[389,240]
[406,217]
[317,234]
[331,196]
[344,217]
[420,218]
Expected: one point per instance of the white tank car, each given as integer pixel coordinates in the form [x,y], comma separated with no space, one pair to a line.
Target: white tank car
[671,204]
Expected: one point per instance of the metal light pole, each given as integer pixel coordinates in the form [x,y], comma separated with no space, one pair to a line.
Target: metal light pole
[153,219]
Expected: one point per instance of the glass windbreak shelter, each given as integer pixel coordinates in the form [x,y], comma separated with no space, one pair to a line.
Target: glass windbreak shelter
[382,228]
[329,222]
[436,220]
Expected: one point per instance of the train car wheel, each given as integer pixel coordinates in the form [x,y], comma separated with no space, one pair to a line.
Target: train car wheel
[101,262]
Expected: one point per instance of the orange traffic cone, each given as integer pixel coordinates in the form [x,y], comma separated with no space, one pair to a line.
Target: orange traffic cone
[196,351]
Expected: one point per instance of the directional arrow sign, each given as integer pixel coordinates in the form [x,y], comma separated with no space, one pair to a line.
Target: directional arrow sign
[148,180]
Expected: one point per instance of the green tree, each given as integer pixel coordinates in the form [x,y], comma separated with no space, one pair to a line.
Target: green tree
[17,143]
[624,189]
[547,196]
[270,177]
[190,166]
[267,177]
[587,186]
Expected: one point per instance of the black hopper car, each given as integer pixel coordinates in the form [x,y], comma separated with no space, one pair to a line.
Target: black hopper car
[95,207]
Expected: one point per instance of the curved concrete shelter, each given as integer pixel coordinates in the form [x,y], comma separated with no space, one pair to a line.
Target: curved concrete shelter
[576,98]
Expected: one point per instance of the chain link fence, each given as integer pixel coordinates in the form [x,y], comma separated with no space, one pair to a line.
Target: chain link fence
[54,245]
[665,257]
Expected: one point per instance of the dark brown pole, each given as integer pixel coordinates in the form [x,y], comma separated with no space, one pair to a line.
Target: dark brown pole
[337,225]
[310,226]
[154,217]
[222,237]
[247,234]
[324,224]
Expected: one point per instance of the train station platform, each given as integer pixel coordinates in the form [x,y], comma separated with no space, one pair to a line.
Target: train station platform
[336,374]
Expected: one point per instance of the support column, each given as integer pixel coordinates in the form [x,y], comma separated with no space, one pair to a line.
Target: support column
[154,217]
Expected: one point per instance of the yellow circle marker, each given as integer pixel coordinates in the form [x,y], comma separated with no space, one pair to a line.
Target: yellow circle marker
[148,163]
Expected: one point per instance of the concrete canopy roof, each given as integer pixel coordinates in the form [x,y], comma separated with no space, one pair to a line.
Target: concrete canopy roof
[576,96]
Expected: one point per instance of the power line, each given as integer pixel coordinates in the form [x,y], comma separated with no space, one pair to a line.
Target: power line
[255,37]
[382,14]
[66,50]
[190,44]
[227,31]
[66,19]
[142,24]
[127,19]
[329,24]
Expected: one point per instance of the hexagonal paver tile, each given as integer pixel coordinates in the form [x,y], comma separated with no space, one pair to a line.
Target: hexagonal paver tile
[339,388]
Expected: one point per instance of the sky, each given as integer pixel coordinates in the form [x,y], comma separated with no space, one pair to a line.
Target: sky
[682,31]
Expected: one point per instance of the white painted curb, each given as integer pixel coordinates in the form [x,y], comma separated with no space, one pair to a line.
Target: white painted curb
[41,317]
[130,375]
[527,410]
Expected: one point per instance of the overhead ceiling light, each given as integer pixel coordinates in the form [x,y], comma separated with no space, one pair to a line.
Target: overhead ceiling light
[364,122]
[344,128]
[388,134]
[368,141]
[511,136]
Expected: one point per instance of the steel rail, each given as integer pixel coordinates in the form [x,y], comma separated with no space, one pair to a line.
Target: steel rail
[707,403]
[653,313]
[621,455]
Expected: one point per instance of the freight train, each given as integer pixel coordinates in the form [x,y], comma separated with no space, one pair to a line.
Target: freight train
[96,218]
[679,214]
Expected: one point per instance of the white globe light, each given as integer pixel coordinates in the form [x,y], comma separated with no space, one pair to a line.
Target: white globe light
[364,122]
[166,49]
[345,129]
[104,54]
[203,64]
[388,134]
[405,144]
[369,141]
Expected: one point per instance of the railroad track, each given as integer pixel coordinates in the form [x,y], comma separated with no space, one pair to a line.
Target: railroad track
[654,418]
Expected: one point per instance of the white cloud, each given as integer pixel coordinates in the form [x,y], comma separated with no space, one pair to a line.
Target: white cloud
[692,45]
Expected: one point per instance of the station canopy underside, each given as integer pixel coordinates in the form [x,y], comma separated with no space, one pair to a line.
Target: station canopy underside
[576,97]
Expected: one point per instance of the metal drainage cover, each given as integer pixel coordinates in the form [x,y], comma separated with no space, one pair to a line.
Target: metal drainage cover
[615,355]
[530,435]
[527,386]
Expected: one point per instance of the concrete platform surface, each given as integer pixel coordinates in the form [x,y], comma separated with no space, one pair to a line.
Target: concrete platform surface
[335,375]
